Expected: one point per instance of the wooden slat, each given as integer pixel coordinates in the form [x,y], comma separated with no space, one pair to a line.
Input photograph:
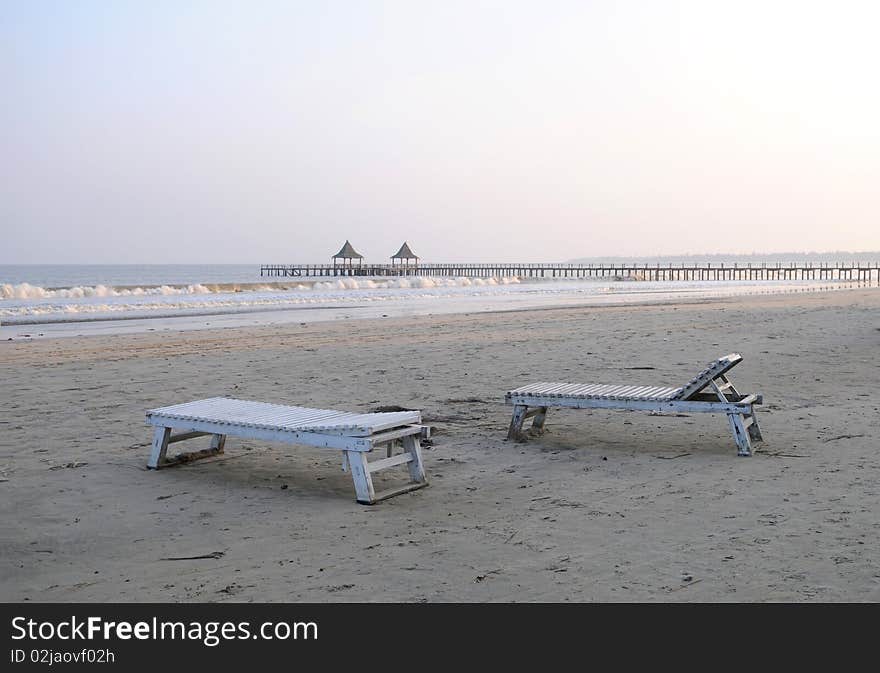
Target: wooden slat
[323,440]
[592,391]
[645,392]
[183,436]
[391,492]
[744,406]
[700,381]
[248,414]
[385,463]
[367,424]
[388,435]
[558,390]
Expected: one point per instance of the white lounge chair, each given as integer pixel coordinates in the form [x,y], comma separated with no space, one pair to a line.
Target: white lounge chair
[534,400]
[353,434]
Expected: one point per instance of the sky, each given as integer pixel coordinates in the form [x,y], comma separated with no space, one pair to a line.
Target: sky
[175,131]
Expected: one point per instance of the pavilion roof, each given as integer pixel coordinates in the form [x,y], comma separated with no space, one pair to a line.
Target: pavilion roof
[405,252]
[347,252]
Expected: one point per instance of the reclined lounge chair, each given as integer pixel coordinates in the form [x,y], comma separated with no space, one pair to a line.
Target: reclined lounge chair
[720,398]
[354,435]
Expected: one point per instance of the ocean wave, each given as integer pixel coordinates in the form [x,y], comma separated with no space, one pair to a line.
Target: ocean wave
[72,311]
[354,293]
[26,291]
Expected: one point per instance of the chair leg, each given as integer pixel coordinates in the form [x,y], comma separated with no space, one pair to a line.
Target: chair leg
[218,442]
[516,422]
[538,420]
[755,429]
[360,474]
[160,447]
[740,435]
[412,446]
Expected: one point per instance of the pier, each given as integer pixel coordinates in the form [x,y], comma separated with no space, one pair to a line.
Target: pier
[855,272]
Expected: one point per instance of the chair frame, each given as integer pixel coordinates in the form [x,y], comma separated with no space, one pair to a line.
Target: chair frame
[354,444]
[724,398]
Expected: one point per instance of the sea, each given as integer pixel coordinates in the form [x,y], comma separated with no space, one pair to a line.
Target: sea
[66,300]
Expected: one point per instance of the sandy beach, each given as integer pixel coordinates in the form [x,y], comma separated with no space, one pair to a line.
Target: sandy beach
[607,505]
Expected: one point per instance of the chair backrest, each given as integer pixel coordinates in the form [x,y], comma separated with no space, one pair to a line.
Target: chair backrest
[705,377]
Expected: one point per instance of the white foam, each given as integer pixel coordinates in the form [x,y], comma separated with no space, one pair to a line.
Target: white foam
[24,303]
[27,291]
[404,283]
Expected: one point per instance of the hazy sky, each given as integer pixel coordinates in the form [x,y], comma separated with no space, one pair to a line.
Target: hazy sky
[272,131]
